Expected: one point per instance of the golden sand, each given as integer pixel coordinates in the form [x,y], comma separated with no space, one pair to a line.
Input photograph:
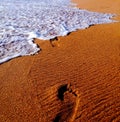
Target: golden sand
[88,59]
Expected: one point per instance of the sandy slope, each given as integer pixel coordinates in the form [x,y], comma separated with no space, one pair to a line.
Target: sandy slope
[89,59]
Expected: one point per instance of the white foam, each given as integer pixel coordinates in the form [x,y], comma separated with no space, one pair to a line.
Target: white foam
[20,23]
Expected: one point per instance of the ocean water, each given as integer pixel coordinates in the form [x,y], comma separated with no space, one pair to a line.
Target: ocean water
[23,20]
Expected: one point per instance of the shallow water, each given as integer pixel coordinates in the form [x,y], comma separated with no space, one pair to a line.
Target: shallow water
[22,21]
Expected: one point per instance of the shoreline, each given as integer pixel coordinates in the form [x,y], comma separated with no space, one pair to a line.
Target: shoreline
[19,40]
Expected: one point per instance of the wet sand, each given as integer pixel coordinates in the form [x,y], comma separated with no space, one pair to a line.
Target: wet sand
[88,59]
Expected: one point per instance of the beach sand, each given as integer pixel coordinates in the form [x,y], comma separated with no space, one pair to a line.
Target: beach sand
[88,59]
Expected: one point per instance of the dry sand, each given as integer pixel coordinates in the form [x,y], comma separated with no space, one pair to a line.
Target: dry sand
[89,59]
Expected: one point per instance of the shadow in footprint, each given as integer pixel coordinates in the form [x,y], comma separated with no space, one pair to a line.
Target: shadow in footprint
[57,118]
[61,91]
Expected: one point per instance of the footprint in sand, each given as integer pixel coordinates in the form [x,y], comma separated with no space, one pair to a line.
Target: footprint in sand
[61,91]
[55,42]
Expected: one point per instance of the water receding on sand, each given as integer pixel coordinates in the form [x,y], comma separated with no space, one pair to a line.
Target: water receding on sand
[22,21]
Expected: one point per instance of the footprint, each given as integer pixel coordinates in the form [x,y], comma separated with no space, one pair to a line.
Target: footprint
[55,42]
[61,91]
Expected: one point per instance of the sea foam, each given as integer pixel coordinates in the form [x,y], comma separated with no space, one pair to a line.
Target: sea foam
[22,21]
